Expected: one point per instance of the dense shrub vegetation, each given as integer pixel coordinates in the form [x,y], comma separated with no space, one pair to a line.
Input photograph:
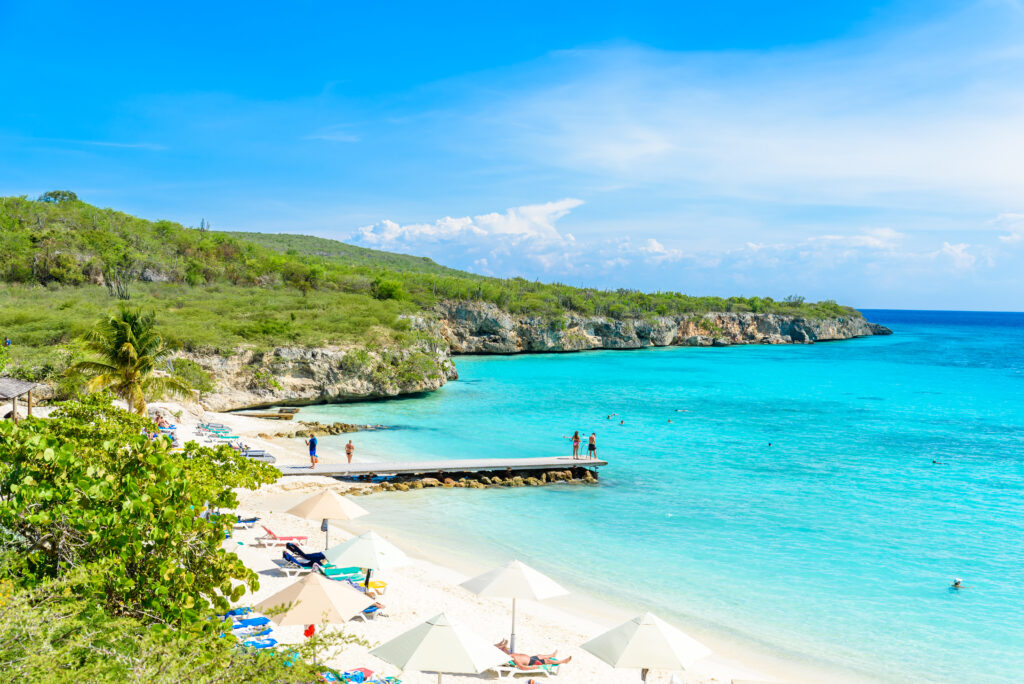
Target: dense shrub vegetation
[111,567]
[61,260]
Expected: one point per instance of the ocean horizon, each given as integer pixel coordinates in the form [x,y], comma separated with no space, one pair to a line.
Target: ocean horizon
[811,501]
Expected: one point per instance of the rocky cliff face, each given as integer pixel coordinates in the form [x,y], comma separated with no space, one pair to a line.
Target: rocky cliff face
[481,328]
[301,375]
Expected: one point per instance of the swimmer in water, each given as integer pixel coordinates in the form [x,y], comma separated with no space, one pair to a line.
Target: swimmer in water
[622,422]
[958,584]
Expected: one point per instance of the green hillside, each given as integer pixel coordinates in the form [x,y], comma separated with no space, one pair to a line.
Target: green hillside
[333,250]
[63,263]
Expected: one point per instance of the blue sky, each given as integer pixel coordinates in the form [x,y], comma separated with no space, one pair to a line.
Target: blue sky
[870,152]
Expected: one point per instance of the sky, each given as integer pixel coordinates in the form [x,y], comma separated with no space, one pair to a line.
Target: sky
[868,152]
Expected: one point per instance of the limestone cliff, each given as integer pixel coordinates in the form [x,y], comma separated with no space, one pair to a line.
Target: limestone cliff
[482,328]
[301,375]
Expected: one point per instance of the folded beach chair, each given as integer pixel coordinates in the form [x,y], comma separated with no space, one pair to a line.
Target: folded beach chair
[271,539]
[236,612]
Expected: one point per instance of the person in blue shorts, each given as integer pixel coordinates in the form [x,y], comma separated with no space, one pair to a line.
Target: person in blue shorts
[312,451]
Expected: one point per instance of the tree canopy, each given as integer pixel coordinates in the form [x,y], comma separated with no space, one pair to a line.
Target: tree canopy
[111,559]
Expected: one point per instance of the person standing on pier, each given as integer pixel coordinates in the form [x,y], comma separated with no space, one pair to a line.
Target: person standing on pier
[576,444]
[592,446]
[311,442]
[350,449]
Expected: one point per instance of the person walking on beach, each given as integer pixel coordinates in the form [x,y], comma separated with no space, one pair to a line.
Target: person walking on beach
[576,444]
[350,449]
[312,451]
[592,446]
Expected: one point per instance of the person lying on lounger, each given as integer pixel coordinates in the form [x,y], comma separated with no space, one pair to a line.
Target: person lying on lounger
[528,662]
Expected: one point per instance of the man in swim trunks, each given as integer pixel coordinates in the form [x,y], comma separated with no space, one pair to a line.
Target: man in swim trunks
[592,446]
[528,662]
[312,451]
[349,450]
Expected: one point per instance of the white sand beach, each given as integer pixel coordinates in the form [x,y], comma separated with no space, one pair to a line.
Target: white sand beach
[426,587]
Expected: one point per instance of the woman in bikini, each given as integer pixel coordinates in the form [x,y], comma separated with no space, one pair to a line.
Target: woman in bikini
[576,444]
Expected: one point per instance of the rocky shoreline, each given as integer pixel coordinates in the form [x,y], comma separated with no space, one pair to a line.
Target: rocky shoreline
[302,376]
[482,328]
[532,478]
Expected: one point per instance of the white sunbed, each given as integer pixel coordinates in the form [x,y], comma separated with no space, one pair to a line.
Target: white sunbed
[271,539]
[290,569]
[510,670]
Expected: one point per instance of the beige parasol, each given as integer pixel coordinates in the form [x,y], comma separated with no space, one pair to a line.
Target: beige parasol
[315,598]
[644,643]
[439,645]
[514,580]
[326,506]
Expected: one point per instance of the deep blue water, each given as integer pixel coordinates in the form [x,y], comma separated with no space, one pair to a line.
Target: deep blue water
[836,544]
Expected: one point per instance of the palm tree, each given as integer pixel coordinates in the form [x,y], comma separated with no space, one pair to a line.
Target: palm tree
[128,350]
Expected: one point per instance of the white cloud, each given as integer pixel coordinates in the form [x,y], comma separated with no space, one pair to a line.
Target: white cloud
[932,117]
[526,241]
[1012,222]
[959,256]
[493,243]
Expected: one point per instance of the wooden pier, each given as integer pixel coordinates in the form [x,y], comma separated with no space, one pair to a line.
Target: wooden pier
[479,466]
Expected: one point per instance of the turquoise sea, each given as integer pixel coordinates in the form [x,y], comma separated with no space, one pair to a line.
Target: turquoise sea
[835,545]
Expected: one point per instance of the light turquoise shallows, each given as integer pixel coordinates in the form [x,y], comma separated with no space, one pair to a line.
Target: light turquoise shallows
[836,544]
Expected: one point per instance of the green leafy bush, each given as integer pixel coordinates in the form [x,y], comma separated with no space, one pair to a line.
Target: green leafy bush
[111,567]
[192,374]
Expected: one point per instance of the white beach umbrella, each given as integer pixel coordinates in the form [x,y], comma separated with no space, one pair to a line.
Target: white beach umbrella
[314,598]
[439,645]
[514,580]
[647,643]
[369,550]
[327,505]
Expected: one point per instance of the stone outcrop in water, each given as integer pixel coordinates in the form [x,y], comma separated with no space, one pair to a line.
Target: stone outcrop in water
[483,328]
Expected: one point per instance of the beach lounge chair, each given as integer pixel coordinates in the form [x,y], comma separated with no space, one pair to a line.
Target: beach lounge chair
[369,614]
[315,557]
[509,670]
[376,586]
[271,539]
[249,623]
[328,569]
[291,566]
[260,643]
[246,523]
